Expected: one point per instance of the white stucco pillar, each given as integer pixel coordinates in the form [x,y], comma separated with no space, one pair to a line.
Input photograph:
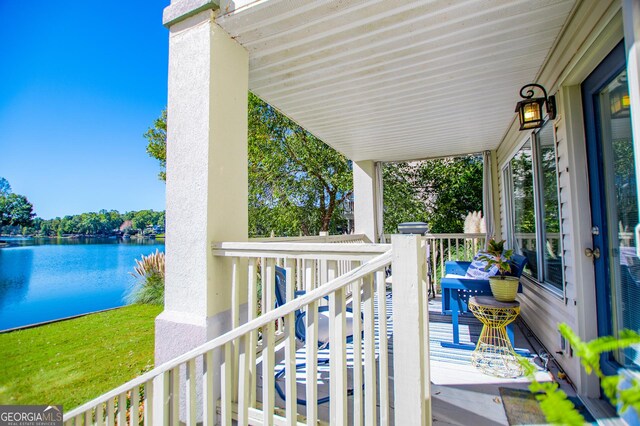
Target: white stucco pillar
[367,200]
[206,180]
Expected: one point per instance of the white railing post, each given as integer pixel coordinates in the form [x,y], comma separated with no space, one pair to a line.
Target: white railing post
[209,369]
[410,337]
[161,399]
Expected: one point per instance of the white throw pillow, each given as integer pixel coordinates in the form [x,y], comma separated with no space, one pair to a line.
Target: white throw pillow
[478,268]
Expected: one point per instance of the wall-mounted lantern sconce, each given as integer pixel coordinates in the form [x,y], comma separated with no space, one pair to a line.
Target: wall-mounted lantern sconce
[530,109]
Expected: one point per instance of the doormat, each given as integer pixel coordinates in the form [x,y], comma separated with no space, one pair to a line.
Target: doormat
[522,407]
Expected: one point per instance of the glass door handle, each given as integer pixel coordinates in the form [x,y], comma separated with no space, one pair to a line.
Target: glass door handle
[595,253]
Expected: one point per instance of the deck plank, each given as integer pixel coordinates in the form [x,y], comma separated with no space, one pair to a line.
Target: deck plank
[461,394]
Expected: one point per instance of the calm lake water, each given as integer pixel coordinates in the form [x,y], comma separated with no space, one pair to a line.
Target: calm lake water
[42,280]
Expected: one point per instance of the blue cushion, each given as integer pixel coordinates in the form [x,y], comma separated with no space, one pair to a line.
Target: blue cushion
[478,269]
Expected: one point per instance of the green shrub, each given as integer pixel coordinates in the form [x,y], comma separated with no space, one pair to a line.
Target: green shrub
[149,271]
[150,291]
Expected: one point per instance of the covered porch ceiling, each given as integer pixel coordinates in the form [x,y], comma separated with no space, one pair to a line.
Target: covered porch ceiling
[396,80]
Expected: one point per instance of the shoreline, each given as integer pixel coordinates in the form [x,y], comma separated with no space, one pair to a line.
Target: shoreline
[53,321]
[9,240]
[111,281]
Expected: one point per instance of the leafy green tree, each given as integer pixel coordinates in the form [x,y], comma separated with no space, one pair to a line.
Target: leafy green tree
[90,224]
[15,210]
[66,225]
[145,218]
[5,188]
[402,199]
[161,219]
[297,184]
[157,143]
[109,220]
[455,185]
[44,228]
[440,192]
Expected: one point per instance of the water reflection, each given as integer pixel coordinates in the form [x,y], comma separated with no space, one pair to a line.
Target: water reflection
[42,280]
[15,273]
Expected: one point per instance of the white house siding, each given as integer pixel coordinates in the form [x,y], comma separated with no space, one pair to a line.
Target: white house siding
[579,49]
[541,309]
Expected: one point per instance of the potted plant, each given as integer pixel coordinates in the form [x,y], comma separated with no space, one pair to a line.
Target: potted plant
[503,287]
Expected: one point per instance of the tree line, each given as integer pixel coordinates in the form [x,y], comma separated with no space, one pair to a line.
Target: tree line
[103,222]
[17,217]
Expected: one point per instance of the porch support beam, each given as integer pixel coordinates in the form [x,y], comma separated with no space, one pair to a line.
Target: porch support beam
[206,181]
[367,200]
[411,364]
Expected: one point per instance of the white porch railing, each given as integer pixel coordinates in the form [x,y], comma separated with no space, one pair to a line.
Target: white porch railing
[155,397]
[443,247]
[343,238]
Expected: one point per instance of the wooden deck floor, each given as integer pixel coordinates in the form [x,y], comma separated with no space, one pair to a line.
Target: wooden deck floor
[461,394]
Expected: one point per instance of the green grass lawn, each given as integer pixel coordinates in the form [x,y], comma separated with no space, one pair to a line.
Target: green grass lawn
[74,361]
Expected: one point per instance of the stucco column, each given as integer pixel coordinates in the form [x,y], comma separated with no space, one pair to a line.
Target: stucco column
[206,180]
[367,196]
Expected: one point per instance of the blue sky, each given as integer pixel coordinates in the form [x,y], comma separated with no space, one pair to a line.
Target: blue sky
[80,82]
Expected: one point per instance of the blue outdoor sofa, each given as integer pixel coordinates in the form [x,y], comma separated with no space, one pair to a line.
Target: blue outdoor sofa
[457,289]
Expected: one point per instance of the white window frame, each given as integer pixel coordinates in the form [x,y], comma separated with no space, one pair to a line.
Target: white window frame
[507,180]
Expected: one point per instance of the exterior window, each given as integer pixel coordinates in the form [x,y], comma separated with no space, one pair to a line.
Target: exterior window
[550,224]
[524,217]
[531,194]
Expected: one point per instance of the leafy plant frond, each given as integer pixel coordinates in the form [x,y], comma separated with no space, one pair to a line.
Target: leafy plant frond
[555,404]
[529,369]
[630,397]
[557,408]
[497,256]
[590,352]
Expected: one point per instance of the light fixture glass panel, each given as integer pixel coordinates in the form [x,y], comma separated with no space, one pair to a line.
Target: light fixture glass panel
[532,111]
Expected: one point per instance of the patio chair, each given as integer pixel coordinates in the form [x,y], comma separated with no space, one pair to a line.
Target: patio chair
[457,288]
[300,330]
[323,313]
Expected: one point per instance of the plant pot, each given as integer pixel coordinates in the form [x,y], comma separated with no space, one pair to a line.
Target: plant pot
[504,289]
